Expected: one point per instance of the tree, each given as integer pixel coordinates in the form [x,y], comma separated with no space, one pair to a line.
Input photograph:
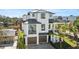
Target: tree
[76,24]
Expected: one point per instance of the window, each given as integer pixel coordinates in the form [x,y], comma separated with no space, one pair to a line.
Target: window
[33,14]
[32,29]
[42,15]
[42,27]
[28,13]
[50,15]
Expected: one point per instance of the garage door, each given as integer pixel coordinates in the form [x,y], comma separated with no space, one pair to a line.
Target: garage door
[32,40]
[42,39]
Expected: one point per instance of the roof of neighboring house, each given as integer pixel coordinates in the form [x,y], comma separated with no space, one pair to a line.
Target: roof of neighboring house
[51,20]
[39,11]
[33,21]
[56,20]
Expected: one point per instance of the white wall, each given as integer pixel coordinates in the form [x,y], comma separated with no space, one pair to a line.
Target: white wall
[43,21]
[31,17]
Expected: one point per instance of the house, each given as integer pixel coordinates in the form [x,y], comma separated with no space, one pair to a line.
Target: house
[8,38]
[38,23]
[36,26]
[72,18]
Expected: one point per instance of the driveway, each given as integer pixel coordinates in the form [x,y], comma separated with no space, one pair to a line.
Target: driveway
[40,46]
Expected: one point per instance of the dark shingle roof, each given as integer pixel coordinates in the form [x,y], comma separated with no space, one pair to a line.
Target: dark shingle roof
[33,21]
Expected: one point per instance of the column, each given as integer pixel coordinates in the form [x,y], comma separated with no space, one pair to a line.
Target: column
[25,28]
[47,38]
[37,39]
[37,30]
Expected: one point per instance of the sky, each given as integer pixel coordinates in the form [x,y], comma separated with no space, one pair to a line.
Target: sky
[20,12]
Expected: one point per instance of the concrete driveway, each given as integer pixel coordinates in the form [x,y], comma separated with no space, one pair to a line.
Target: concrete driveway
[40,46]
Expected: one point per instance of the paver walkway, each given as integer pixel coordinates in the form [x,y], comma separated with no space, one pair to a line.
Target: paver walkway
[40,46]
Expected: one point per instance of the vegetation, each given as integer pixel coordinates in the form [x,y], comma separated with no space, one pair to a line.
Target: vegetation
[21,43]
[76,24]
[21,40]
[7,19]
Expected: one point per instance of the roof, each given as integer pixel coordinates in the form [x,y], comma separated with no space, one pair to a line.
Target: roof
[43,33]
[56,20]
[33,21]
[51,20]
[39,11]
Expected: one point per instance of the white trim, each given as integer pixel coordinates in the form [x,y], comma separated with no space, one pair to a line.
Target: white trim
[47,38]
[37,39]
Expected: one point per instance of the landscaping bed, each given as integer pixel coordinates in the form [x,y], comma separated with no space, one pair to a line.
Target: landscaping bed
[62,45]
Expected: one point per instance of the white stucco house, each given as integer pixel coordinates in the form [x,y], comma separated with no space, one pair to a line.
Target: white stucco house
[37,24]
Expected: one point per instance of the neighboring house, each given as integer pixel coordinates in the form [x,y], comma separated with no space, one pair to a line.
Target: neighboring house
[56,20]
[9,34]
[71,18]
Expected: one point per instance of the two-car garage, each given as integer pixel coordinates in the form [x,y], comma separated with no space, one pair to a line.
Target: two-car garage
[42,39]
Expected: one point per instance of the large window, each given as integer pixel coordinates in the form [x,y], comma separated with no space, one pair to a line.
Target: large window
[50,15]
[32,29]
[42,15]
[33,14]
[42,27]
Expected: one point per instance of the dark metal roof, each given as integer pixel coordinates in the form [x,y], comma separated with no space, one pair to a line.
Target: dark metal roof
[33,21]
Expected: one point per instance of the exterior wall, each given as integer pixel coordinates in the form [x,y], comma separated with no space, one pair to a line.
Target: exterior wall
[31,17]
[43,21]
[25,28]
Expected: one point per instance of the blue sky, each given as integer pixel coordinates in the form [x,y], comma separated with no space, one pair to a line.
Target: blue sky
[20,12]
